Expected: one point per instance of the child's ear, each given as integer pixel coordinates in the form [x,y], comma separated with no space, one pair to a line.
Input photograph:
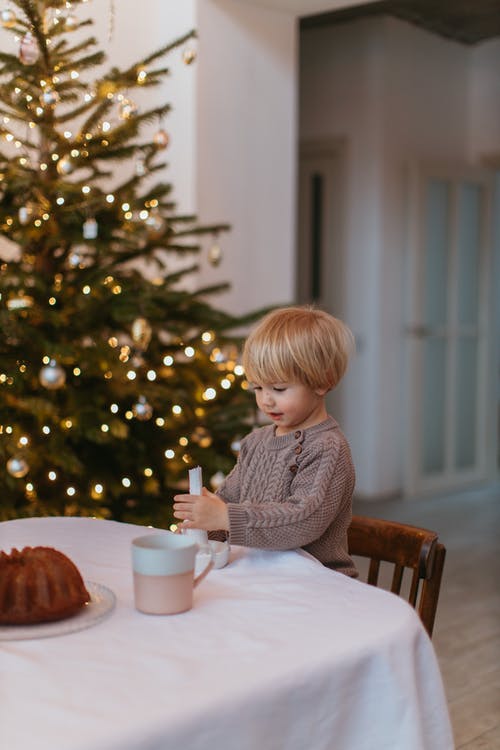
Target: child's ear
[322,391]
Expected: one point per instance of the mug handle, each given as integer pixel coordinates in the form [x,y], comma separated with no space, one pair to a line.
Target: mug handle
[208,567]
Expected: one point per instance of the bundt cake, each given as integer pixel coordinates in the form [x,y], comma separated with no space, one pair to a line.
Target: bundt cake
[39,584]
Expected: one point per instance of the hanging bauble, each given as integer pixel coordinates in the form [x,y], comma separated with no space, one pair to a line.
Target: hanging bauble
[142,410]
[127,109]
[90,229]
[214,254]
[236,445]
[70,22]
[52,376]
[65,165]
[8,18]
[189,56]
[28,49]
[155,225]
[161,139]
[49,97]
[141,333]
[17,467]
[24,214]
[140,166]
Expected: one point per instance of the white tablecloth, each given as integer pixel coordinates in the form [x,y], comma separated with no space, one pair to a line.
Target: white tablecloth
[278,652]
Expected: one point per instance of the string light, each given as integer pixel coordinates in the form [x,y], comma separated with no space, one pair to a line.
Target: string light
[169,453]
[52,475]
[176,409]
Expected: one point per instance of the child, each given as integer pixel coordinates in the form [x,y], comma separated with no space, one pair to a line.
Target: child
[293,482]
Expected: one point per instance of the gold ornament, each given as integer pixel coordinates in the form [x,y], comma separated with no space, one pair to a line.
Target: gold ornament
[52,376]
[214,255]
[17,467]
[155,225]
[70,22]
[141,333]
[161,139]
[28,49]
[189,56]
[106,89]
[8,18]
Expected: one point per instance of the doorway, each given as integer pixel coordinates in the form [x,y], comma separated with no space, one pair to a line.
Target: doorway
[321,212]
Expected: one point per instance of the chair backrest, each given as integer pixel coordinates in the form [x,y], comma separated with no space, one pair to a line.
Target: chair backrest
[405,547]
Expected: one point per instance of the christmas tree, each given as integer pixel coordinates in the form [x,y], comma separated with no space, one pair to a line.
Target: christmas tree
[113,381]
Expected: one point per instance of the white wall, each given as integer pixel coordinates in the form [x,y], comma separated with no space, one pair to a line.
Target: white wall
[246,145]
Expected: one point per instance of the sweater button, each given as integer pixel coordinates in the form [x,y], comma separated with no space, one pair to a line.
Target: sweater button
[298,449]
[293,468]
[297,434]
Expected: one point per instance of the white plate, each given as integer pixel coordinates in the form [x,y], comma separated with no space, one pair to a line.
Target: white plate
[102,603]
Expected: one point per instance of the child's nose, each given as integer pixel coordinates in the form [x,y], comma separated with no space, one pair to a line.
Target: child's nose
[267,397]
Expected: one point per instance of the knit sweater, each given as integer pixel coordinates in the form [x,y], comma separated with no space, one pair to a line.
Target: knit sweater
[293,490]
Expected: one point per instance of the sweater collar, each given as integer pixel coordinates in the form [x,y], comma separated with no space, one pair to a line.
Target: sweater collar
[276,442]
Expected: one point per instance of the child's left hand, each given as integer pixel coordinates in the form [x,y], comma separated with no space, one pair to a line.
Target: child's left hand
[206,511]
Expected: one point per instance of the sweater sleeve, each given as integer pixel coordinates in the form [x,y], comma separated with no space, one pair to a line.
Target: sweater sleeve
[319,491]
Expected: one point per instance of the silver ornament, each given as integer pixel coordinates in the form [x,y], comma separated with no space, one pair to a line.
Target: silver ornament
[8,18]
[90,229]
[24,214]
[52,376]
[65,165]
[214,254]
[161,139]
[141,333]
[140,166]
[28,49]
[17,467]
[142,410]
[127,109]
[49,97]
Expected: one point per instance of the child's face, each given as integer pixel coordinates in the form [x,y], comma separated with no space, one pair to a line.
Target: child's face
[291,406]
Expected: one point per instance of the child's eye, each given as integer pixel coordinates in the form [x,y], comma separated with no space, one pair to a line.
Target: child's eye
[255,387]
[279,390]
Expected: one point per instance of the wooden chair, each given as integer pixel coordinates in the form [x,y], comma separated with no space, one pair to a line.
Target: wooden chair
[406,547]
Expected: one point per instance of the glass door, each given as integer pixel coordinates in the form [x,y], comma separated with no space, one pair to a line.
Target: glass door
[449,313]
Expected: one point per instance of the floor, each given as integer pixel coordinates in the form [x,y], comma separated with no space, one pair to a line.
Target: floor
[467,630]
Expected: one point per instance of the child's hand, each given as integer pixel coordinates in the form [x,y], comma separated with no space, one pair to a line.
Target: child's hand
[206,511]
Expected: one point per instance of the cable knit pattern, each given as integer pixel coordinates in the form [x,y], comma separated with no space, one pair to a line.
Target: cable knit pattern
[293,490]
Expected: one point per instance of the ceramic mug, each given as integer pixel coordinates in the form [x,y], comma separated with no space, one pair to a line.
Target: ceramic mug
[163,568]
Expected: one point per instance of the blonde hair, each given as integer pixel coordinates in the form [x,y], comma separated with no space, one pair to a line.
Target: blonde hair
[298,344]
